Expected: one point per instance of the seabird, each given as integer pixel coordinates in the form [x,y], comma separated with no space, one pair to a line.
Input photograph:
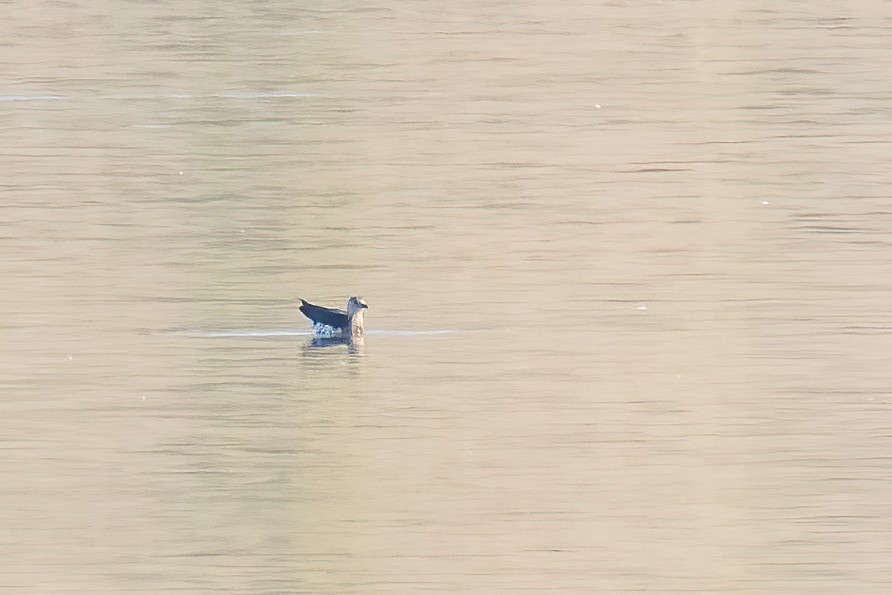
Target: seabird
[331,322]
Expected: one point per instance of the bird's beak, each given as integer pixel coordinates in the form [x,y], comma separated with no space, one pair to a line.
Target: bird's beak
[364,305]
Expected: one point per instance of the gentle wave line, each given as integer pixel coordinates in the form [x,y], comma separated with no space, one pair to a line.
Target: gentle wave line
[298,333]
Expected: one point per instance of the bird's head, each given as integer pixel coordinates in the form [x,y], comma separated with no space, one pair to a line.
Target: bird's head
[355,304]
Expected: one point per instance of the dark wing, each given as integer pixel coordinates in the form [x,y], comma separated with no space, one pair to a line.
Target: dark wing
[330,316]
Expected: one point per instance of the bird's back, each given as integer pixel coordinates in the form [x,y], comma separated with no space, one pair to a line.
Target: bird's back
[337,319]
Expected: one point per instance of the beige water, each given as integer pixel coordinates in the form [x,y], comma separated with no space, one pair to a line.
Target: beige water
[628,268]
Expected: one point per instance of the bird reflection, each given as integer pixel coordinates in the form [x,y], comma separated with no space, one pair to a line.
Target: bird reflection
[355,345]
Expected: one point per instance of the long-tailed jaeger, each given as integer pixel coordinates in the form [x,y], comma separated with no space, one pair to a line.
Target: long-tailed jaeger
[332,322]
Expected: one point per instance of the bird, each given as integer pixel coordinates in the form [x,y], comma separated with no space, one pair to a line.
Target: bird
[332,322]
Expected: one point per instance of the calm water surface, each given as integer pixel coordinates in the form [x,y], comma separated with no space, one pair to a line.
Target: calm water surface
[628,265]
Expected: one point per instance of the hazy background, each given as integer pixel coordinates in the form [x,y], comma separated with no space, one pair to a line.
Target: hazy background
[657,233]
